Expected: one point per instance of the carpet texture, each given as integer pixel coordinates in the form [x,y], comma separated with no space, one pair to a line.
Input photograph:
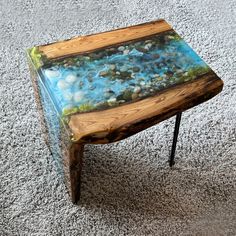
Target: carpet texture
[127,187]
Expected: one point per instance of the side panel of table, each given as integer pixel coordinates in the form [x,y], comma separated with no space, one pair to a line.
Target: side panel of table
[66,155]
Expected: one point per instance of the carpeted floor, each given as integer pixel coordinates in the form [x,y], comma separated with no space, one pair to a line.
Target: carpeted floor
[127,187]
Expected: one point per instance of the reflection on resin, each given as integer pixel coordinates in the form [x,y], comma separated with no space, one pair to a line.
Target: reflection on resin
[116,75]
[53,127]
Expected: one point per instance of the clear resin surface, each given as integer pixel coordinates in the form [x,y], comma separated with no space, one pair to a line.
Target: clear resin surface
[116,75]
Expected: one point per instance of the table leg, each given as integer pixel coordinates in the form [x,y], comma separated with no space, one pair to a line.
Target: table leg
[75,169]
[176,132]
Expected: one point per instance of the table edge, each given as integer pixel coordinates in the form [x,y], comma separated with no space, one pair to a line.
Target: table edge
[186,95]
[92,42]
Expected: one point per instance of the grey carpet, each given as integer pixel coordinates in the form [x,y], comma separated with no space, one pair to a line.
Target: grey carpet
[127,187]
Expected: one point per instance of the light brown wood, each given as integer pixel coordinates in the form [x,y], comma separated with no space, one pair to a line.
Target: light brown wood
[92,42]
[72,163]
[120,122]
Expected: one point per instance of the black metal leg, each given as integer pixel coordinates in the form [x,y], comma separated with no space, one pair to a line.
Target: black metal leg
[176,132]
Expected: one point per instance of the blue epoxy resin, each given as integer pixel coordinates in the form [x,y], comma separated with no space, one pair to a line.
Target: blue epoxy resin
[117,75]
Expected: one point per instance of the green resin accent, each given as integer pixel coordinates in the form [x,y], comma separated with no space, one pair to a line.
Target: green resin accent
[86,107]
[68,111]
[82,108]
[36,57]
[193,73]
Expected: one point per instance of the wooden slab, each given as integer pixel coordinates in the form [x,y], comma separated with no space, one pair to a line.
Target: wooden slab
[92,42]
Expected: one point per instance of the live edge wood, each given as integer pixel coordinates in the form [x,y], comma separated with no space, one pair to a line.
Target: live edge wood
[89,43]
[118,123]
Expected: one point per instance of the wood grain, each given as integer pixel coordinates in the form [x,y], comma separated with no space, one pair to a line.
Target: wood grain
[117,123]
[72,163]
[97,41]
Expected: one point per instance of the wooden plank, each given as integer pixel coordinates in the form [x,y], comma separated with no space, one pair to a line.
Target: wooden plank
[89,43]
[121,122]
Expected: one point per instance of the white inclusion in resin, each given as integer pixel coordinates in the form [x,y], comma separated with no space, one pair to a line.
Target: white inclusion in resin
[70,78]
[68,96]
[137,89]
[135,52]
[63,85]
[52,74]
[111,100]
[78,96]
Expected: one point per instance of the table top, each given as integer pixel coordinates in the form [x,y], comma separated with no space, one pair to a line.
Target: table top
[130,66]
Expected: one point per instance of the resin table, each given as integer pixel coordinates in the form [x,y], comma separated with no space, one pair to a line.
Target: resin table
[105,87]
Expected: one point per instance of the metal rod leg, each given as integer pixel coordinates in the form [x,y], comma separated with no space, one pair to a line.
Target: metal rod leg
[176,132]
